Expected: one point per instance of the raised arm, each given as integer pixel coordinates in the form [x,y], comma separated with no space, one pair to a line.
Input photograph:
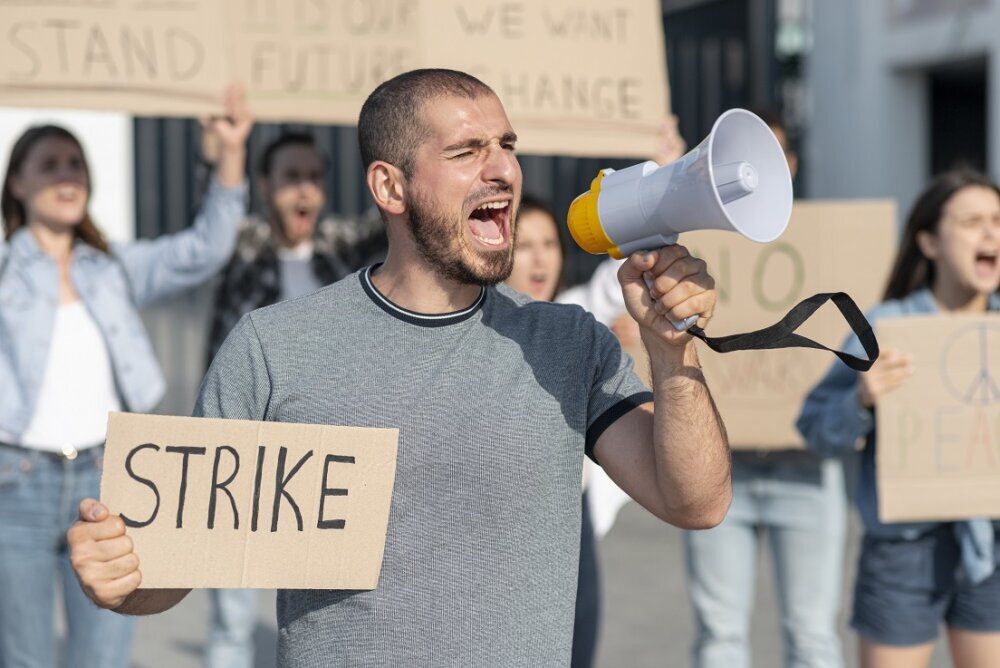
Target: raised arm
[158,268]
[674,461]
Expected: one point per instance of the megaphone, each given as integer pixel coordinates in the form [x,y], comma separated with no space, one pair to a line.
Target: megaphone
[736,179]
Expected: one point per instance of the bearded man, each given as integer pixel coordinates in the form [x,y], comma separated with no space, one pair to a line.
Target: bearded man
[497,398]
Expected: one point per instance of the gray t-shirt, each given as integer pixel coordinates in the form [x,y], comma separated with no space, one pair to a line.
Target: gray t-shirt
[495,405]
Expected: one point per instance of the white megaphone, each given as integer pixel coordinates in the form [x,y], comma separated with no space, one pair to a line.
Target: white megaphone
[736,179]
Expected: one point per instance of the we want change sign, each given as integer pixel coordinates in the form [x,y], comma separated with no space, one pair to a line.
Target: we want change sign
[236,503]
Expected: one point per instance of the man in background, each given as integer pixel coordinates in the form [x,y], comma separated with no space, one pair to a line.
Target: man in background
[290,252]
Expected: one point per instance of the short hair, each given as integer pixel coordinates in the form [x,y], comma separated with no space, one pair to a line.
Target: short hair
[290,138]
[389,127]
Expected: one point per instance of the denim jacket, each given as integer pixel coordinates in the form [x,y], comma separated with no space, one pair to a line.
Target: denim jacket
[113,287]
[832,421]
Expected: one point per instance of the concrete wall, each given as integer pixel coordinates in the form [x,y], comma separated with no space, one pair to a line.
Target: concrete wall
[868,123]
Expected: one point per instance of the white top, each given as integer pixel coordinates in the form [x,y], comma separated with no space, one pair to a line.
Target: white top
[78,386]
[602,296]
[295,271]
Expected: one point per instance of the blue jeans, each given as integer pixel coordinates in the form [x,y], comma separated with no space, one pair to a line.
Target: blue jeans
[39,498]
[234,618]
[800,501]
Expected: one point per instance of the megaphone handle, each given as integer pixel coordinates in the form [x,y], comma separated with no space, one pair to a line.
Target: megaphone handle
[680,325]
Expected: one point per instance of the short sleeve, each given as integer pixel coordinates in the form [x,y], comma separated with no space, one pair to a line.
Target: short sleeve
[615,388]
[237,384]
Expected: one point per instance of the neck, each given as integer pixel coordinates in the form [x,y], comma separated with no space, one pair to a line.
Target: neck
[57,243]
[410,282]
[956,298]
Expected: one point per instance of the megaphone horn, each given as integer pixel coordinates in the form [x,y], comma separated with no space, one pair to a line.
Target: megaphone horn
[736,179]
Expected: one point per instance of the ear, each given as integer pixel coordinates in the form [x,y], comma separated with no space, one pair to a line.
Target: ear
[928,244]
[387,186]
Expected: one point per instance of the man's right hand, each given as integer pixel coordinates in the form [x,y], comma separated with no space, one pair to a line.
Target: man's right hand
[102,555]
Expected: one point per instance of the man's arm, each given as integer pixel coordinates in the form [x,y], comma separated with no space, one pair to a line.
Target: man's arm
[108,568]
[675,461]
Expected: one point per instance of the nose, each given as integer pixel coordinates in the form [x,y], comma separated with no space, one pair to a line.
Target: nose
[501,166]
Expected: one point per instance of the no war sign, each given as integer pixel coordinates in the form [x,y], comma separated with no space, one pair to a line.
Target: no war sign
[236,503]
[829,246]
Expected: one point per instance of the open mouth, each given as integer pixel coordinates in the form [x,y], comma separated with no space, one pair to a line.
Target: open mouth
[986,262]
[488,223]
[68,193]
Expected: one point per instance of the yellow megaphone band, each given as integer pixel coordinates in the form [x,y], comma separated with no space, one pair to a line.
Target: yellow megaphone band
[584,222]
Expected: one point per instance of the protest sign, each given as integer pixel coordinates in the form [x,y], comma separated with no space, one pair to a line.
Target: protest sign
[602,89]
[236,503]
[938,455]
[142,56]
[843,246]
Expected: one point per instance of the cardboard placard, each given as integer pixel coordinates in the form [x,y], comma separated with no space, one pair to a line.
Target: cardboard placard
[938,454]
[236,503]
[140,56]
[841,246]
[602,90]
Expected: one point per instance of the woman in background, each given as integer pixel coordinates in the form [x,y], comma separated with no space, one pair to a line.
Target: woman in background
[914,576]
[73,349]
[539,256]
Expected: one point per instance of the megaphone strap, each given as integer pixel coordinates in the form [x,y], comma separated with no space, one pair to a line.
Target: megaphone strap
[782,334]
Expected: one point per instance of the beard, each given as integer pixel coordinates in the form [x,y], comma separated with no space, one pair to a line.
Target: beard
[441,242]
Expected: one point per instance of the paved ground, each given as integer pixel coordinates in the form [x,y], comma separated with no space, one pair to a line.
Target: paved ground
[647,621]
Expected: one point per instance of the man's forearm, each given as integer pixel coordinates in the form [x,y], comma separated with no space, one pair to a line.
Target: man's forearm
[689,438]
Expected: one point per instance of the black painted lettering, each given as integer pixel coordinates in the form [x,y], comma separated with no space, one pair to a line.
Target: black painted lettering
[628,98]
[478,25]
[257,476]
[326,491]
[140,51]
[129,522]
[96,51]
[311,16]
[794,286]
[512,20]
[261,60]
[60,26]
[216,485]
[13,36]
[185,452]
[185,54]
[280,482]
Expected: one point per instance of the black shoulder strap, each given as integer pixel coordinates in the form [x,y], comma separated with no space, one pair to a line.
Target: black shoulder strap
[782,334]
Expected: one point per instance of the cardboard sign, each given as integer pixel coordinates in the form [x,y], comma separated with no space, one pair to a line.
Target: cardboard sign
[236,503]
[845,246]
[602,89]
[141,56]
[938,454]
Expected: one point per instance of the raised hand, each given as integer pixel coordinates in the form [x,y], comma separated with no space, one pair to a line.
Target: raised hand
[681,287]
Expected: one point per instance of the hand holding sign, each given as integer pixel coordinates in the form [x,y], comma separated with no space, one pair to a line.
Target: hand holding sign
[890,371]
[102,556]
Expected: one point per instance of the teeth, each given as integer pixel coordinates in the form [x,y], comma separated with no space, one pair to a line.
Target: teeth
[491,242]
[493,205]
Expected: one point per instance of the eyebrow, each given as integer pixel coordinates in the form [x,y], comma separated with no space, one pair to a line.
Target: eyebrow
[505,138]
